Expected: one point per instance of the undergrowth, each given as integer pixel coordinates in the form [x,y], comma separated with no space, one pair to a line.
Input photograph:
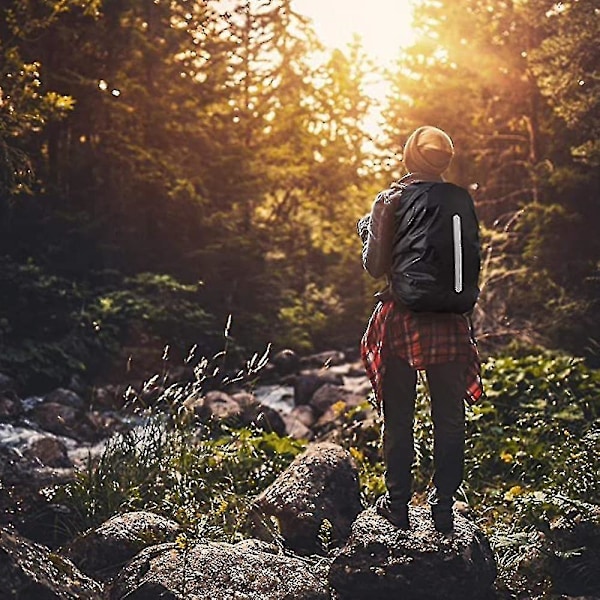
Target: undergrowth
[531,473]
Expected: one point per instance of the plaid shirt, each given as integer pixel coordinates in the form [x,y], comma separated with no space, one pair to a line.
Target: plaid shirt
[421,339]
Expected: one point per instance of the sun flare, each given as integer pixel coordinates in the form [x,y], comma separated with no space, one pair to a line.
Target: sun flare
[384,27]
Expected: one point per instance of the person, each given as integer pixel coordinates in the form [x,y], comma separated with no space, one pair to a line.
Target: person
[399,342]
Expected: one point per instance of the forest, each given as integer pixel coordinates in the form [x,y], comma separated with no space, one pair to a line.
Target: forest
[170,169]
[167,164]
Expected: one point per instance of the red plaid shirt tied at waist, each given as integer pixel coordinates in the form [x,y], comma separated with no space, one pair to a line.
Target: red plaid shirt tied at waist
[421,339]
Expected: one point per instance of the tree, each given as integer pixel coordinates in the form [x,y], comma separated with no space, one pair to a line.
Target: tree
[487,58]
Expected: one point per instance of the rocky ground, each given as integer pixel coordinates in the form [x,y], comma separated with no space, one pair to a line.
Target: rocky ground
[44,440]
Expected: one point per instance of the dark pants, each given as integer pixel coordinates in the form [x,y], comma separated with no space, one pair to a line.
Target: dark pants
[447,384]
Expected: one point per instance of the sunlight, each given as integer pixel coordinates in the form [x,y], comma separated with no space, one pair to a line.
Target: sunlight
[383,26]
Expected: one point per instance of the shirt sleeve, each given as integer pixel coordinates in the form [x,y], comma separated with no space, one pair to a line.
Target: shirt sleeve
[377,247]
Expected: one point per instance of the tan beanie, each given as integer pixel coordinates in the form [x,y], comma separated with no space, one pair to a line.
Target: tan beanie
[428,150]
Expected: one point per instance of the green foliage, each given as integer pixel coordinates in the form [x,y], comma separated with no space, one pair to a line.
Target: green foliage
[532,458]
[537,411]
[204,481]
[52,327]
[532,461]
[307,317]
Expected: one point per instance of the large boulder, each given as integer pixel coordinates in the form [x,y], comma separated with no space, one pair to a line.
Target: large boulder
[29,571]
[381,561]
[318,492]
[332,396]
[101,552]
[218,571]
[576,554]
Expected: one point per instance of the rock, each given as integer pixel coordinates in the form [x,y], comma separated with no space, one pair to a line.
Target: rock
[214,404]
[101,552]
[320,485]
[323,359]
[258,415]
[11,407]
[77,384]
[29,571]
[50,452]
[328,395]
[64,420]
[253,545]
[24,502]
[108,397]
[7,384]
[66,398]
[286,362]
[297,429]
[380,561]
[356,369]
[215,571]
[277,396]
[576,555]
[305,414]
[306,384]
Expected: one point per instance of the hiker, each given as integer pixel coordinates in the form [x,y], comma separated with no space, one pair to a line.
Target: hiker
[419,322]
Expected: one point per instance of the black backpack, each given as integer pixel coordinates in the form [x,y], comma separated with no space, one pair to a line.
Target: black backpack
[436,252]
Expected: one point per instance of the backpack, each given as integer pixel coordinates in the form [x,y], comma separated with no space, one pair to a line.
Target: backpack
[436,251]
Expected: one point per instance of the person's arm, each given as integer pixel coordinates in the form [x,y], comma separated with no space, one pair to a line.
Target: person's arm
[378,234]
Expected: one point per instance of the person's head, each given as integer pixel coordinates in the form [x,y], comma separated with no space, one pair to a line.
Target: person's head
[428,150]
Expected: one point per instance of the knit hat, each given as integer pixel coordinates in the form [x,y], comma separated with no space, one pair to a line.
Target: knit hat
[428,150]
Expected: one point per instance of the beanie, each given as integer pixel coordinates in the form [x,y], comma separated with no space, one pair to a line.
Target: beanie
[428,150]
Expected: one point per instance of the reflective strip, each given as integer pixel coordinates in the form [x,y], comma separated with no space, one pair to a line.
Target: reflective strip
[458,266]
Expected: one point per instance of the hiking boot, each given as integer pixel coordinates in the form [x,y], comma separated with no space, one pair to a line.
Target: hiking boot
[441,511]
[397,516]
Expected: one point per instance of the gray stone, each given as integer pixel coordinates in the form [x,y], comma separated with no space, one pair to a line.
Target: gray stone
[256,414]
[24,502]
[50,452]
[214,404]
[381,561]
[11,407]
[328,395]
[320,487]
[296,429]
[29,571]
[307,383]
[305,414]
[215,571]
[66,398]
[576,554]
[101,552]
[64,420]
[286,362]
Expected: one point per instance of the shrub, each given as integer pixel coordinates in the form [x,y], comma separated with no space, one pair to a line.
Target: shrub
[52,327]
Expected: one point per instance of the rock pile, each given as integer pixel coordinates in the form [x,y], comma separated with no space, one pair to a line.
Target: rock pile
[314,538]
